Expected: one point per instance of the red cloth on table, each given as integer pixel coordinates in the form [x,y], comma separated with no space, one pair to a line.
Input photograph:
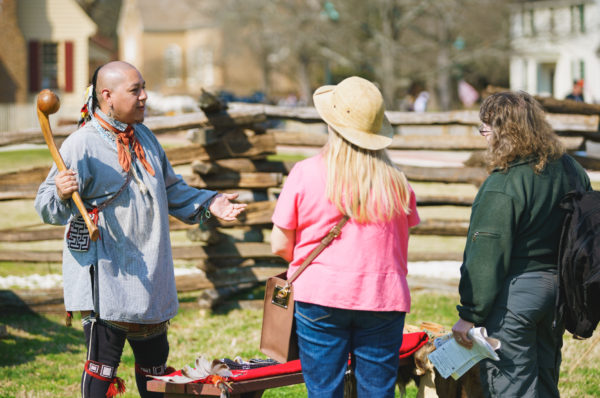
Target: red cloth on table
[266,371]
[411,342]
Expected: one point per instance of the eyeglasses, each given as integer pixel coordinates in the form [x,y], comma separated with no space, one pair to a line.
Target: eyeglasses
[483,130]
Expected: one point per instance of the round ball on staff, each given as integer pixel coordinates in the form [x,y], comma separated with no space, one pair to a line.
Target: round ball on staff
[48,102]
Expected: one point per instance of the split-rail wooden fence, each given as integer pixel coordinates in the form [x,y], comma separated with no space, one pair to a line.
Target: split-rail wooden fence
[230,151]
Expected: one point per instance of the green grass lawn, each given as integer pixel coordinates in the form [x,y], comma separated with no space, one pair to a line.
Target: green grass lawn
[21,159]
[18,214]
[43,358]
[41,346]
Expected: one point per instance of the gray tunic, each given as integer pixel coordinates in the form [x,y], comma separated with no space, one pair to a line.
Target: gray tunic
[133,279]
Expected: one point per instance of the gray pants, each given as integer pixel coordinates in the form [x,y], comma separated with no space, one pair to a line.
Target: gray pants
[530,356]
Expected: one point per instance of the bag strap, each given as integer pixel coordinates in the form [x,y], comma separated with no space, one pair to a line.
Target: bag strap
[576,188]
[104,204]
[572,174]
[331,235]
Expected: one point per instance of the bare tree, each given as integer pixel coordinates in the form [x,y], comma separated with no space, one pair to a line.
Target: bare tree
[392,42]
[283,34]
[454,35]
[434,41]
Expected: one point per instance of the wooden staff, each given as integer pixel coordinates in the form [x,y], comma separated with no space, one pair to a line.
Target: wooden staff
[47,104]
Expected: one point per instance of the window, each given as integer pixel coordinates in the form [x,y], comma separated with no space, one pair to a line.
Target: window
[578,18]
[578,69]
[173,64]
[545,78]
[525,72]
[528,23]
[532,22]
[201,67]
[49,66]
[43,63]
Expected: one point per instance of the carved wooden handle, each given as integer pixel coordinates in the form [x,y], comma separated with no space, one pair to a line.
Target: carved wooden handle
[47,104]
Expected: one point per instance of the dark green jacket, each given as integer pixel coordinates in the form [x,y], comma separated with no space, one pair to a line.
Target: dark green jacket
[515,227]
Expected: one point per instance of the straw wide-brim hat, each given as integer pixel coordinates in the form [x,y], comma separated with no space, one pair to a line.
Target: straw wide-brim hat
[355,109]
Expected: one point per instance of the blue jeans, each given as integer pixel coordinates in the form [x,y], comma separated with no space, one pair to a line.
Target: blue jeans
[327,335]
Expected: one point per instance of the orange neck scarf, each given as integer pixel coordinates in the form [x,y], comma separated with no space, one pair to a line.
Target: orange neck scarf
[124,138]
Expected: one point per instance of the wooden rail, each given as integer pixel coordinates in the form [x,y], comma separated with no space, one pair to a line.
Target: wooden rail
[228,152]
[240,114]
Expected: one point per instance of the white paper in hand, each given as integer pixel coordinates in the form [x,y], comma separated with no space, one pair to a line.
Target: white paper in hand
[452,359]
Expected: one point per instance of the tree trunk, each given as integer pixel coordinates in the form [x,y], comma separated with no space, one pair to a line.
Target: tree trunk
[304,80]
[443,82]
[387,65]
[265,72]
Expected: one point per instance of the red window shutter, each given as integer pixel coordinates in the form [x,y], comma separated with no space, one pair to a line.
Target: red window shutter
[69,66]
[34,66]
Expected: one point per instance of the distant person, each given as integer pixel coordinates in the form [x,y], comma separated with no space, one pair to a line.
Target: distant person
[290,100]
[420,104]
[577,93]
[123,284]
[467,94]
[416,99]
[509,275]
[354,296]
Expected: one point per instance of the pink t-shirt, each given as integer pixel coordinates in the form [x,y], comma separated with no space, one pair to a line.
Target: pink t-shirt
[364,268]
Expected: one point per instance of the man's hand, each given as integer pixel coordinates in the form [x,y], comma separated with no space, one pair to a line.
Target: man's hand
[460,330]
[66,184]
[222,208]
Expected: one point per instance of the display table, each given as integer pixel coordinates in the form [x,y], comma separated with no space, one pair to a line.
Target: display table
[253,383]
[242,389]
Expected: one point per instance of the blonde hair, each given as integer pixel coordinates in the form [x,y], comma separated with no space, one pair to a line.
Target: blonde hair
[519,131]
[362,183]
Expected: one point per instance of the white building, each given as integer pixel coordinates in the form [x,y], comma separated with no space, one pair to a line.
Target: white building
[554,43]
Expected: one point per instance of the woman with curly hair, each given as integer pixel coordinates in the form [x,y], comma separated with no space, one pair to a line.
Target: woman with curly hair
[509,274]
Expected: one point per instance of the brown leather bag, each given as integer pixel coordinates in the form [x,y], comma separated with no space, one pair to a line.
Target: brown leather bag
[278,338]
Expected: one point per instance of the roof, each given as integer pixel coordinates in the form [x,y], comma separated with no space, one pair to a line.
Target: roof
[105,13]
[168,15]
[54,20]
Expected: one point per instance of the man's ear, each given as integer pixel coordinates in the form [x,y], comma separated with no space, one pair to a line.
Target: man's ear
[106,97]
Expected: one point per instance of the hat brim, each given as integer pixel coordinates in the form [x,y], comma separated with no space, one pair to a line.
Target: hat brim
[372,141]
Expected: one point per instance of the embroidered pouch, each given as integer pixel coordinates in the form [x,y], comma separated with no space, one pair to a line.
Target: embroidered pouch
[78,237]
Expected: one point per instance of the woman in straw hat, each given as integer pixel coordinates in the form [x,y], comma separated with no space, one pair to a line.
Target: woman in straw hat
[509,275]
[353,297]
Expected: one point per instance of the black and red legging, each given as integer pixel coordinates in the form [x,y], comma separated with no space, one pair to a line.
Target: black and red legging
[105,347]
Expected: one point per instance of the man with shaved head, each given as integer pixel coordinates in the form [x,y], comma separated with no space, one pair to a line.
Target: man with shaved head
[123,284]
[122,106]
